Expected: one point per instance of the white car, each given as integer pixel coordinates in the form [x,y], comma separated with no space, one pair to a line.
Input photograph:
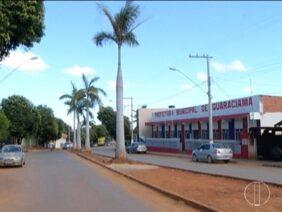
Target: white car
[12,155]
[212,152]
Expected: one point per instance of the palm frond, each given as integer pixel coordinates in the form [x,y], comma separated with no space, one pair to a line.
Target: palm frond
[93,80]
[102,37]
[109,16]
[130,39]
[65,96]
[126,17]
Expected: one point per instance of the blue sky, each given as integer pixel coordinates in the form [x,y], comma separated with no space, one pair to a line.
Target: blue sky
[243,37]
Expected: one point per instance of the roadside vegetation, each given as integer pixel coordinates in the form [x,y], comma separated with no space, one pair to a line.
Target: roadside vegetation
[22,121]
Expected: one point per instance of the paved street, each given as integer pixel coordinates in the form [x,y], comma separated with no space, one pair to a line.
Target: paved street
[246,171]
[61,181]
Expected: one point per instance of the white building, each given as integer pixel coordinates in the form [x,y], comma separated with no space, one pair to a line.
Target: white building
[184,129]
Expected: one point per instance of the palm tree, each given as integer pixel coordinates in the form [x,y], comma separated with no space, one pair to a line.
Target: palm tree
[91,98]
[123,25]
[71,102]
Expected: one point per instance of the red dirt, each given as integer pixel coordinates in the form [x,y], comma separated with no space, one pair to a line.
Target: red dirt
[222,193]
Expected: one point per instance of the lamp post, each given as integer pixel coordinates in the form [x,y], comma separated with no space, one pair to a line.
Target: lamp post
[32,58]
[208,93]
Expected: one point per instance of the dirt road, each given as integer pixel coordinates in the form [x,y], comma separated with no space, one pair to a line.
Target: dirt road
[60,181]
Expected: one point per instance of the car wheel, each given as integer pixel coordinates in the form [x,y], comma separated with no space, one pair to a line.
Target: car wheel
[210,159]
[226,161]
[194,158]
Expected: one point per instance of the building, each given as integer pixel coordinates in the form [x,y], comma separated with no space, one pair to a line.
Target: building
[184,129]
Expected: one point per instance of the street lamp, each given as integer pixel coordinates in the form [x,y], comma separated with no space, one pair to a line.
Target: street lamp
[208,93]
[32,58]
[196,84]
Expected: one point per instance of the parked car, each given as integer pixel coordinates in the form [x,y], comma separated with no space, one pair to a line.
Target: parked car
[67,145]
[212,152]
[12,155]
[136,147]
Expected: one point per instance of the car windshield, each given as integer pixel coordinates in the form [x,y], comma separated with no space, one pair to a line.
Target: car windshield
[11,149]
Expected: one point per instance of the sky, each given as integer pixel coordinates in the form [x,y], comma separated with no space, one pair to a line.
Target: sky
[244,39]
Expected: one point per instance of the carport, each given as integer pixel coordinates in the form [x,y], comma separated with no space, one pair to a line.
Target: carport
[269,142]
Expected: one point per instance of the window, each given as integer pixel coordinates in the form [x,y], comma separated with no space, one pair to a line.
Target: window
[206,147]
[237,134]
[196,134]
[187,133]
[215,134]
[225,134]
[204,134]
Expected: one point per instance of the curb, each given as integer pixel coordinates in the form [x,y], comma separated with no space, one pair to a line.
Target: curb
[177,197]
[198,172]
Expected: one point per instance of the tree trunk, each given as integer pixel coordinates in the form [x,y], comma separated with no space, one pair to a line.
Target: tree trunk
[78,133]
[87,141]
[74,131]
[120,142]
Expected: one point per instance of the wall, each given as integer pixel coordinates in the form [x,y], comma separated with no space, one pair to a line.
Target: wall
[269,119]
[271,104]
[144,115]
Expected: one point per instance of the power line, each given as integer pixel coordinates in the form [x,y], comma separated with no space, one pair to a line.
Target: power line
[173,95]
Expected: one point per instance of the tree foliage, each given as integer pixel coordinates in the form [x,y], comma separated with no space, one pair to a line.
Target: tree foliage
[21,23]
[4,126]
[21,115]
[48,126]
[108,118]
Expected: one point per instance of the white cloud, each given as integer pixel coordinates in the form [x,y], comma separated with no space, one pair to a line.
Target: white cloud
[235,65]
[22,60]
[77,70]
[185,86]
[202,76]
[111,85]
[248,89]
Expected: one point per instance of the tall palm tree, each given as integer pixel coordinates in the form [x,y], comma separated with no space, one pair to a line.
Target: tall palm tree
[71,102]
[123,25]
[91,98]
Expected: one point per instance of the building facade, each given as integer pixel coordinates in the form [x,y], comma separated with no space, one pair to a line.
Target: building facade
[184,129]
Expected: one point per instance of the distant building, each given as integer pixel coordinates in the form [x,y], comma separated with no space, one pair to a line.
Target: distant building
[60,142]
[184,129]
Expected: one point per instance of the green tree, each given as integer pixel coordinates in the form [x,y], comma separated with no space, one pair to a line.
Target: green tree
[21,23]
[91,98]
[48,127]
[123,25]
[21,115]
[101,131]
[4,126]
[108,116]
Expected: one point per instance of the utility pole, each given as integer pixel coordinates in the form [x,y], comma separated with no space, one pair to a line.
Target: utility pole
[207,57]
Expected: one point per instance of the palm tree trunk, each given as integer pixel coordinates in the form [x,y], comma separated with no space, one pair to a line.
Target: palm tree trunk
[74,131]
[120,147]
[87,141]
[78,133]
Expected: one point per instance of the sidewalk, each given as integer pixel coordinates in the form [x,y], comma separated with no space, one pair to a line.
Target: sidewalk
[276,164]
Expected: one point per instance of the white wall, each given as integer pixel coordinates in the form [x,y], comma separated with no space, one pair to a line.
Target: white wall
[269,119]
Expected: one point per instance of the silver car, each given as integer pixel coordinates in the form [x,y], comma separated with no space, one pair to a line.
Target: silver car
[12,155]
[136,147]
[212,152]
